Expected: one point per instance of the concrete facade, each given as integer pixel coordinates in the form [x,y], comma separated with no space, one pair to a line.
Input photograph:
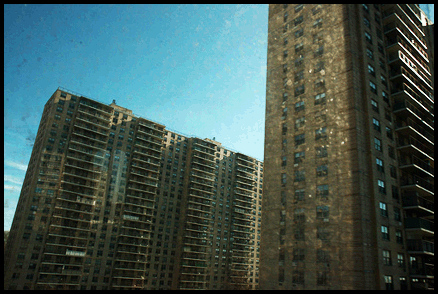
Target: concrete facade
[330,160]
[115,201]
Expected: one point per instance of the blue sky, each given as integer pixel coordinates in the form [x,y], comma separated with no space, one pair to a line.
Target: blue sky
[198,69]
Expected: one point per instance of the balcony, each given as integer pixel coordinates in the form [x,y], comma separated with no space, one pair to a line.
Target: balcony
[411,200]
[414,181]
[413,164]
[400,72]
[401,92]
[420,247]
[413,145]
[408,109]
[414,224]
[396,12]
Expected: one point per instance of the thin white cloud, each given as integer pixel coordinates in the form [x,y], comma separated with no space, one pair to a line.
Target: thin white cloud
[12,179]
[16,165]
[13,188]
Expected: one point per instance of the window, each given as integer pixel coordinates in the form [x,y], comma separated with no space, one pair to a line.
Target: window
[392,171]
[284,115]
[322,233]
[389,283]
[299,156]
[322,191]
[284,97]
[322,171]
[284,128]
[391,152]
[368,38]
[319,66]
[381,185]
[300,175]
[63,95]
[321,151]
[283,161]
[298,7]
[317,23]
[389,133]
[383,209]
[366,22]
[283,179]
[400,260]
[300,139]
[397,215]
[371,70]
[319,83]
[316,9]
[319,51]
[379,164]
[320,133]
[373,87]
[298,20]
[322,212]
[285,17]
[377,144]
[299,61]
[376,124]
[383,80]
[399,237]
[299,33]
[385,233]
[285,54]
[386,257]
[370,54]
[320,99]
[299,76]
[300,122]
[299,90]
[299,195]
[299,106]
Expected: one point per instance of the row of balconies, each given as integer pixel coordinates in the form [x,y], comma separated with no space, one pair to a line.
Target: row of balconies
[398,74]
[420,246]
[93,106]
[414,111]
[415,223]
[89,141]
[86,151]
[86,129]
[95,115]
[102,124]
[147,166]
[414,160]
[420,130]
[85,158]
[410,180]
[146,152]
[145,159]
[204,150]
[410,141]
[85,167]
[411,199]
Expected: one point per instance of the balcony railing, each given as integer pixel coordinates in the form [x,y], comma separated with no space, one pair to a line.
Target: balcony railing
[416,180]
[411,199]
[419,223]
[421,114]
[409,140]
[421,246]
[420,129]
[410,160]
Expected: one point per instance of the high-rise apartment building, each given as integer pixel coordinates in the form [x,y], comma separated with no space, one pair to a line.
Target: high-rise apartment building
[349,159]
[115,201]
